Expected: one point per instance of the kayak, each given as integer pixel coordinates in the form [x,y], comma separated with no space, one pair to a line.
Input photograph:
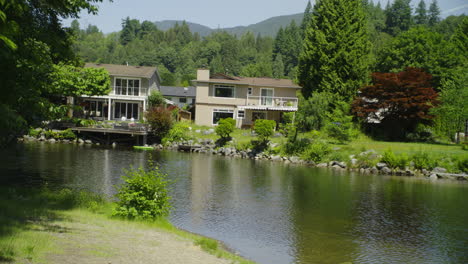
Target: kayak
[143,148]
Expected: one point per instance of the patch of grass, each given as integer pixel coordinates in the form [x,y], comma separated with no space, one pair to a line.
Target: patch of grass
[209,245]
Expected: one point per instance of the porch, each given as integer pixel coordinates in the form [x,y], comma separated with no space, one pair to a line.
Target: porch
[112,108]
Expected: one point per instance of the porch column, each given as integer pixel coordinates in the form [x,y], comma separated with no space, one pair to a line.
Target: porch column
[144,110]
[109,109]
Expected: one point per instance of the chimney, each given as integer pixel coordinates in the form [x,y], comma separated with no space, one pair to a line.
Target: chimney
[203,75]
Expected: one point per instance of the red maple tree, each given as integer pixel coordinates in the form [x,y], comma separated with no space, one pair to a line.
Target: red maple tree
[398,101]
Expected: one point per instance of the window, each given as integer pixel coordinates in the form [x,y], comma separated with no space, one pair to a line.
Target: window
[183,100]
[249,91]
[258,115]
[224,91]
[93,108]
[127,86]
[127,110]
[221,113]
[240,114]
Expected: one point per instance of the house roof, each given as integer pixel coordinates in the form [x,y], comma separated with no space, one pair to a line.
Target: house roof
[251,81]
[126,71]
[178,91]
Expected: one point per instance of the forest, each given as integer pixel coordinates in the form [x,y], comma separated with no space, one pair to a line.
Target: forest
[331,61]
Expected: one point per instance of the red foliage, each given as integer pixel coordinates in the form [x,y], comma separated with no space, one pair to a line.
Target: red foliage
[160,120]
[403,96]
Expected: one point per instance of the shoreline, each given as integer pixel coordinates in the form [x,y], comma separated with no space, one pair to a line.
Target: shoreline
[208,147]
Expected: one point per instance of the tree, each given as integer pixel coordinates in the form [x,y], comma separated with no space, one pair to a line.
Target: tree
[278,67]
[306,19]
[398,17]
[264,129]
[130,30]
[421,14]
[335,55]
[399,101]
[225,128]
[340,126]
[434,13]
[156,99]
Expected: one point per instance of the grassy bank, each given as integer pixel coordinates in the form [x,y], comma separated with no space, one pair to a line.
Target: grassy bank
[44,226]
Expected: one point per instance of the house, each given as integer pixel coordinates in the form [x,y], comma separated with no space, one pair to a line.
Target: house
[244,99]
[181,96]
[128,98]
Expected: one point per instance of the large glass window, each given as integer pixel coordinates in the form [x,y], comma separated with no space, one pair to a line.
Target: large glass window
[127,110]
[93,108]
[127,86]
[222,113]
[224,91]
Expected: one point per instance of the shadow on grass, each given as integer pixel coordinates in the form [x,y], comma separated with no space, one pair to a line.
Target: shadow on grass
[28,209]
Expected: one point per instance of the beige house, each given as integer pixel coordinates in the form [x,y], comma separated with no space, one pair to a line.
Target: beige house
[128,98]
[244,99]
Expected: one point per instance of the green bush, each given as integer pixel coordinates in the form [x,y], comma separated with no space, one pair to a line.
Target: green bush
[366,159]
[143,194]
[422,160]
[156,99]
[340,126]
[68,134]
[225,127]
[296,147]
[160,121]
[34,132]
[243,146]
[179,132]
[264,129]
[463,164]
[395,161]
[317,151]
[464,146]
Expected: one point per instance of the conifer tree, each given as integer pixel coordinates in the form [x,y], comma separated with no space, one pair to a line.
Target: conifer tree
[306,19]
[278,67]
[335,55]
[398,17]
[421,14]
[434,13]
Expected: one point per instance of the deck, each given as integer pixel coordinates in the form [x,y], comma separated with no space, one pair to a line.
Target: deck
[107,132]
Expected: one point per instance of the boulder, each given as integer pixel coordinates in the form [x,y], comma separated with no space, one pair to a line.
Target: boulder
[275,158]
[439,170]
[342,164]
[386,170]
[381,165]
[52,140]
[88,141]
[294,159]
[433,176]
[322,165]
[80,141]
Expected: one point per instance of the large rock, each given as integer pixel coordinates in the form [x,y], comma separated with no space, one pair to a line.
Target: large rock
[294,159]
[386,170]
[276,158]
[52,140]
[88,141]
[80,141]
[381,165]
[433,176]
[439,170]
[322,165]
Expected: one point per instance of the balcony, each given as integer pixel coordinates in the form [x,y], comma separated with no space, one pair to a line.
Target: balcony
[129,91]
[271,103]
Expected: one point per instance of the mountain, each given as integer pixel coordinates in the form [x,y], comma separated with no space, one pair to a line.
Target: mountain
[267,27]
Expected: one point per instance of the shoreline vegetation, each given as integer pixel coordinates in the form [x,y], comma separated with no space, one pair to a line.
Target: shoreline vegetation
[435,161]
[65,226]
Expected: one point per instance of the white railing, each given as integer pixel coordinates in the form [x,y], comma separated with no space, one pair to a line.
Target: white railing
[129,91]
[272,101]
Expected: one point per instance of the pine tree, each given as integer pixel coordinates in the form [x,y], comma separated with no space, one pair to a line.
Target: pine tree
[398,17]
[421,14]
[278,67]
[434,13]
[335,55]
[306,19]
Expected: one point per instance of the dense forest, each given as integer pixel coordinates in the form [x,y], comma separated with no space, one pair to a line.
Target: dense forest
[331,60]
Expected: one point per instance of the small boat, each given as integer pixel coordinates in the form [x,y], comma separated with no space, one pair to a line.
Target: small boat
[143,148]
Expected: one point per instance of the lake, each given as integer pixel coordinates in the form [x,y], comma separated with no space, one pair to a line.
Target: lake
[273,212]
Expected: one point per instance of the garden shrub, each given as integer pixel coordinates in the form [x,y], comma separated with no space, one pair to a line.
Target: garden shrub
[366,159]
[462,164]
[34,132]
[317,151]
[338,155]
[179,132]
[156,99]
[243,146]
[295,147]
[68,134]
[143,195]
[340,126]
[264,129]
[422,160]
[160,121]
[225,127]
[395,161]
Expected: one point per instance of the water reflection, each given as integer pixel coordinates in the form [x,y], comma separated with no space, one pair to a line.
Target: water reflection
[274,213]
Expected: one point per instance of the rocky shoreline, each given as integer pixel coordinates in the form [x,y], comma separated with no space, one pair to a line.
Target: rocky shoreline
[208,146]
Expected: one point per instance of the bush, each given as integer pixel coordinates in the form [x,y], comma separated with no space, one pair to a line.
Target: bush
[156,99]
[179,132]
[225,127]
[422,160]
[463,164]
[298,146]
[68,134]
[143,194]
[34,132]
[366,159]
[395,161]
[160,121]
[264,129]
[317,151]
[340,126]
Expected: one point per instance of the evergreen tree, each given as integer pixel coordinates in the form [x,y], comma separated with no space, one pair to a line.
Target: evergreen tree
[130,30]
[434,13]
[278,67]
[421,14]
[335,55]
[306,19]
[398,17]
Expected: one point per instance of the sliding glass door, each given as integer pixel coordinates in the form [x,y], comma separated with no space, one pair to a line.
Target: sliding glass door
[127,110]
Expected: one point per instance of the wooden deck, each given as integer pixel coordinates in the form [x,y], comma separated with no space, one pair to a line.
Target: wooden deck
[110,131]
[140,136]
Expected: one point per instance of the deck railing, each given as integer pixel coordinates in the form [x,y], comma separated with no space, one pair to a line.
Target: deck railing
[129,91]
[273,101]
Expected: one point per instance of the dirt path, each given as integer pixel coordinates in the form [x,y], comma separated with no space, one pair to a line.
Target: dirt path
[100,241]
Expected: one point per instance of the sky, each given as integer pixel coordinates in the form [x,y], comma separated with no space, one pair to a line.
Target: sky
[211,13]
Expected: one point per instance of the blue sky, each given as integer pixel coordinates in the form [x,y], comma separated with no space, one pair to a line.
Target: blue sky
[211,13]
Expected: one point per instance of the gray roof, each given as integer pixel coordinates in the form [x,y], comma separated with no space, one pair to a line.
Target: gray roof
[178,91]
[126,71]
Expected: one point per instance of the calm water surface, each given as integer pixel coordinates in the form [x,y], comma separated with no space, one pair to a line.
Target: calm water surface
[275,213]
